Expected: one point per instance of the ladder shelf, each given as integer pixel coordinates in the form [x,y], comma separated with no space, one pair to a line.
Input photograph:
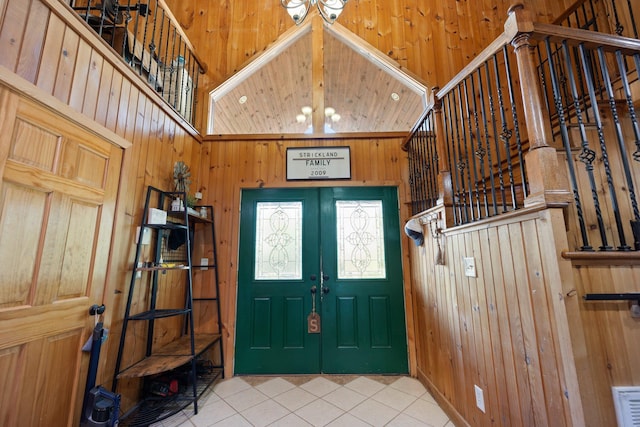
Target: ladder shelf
[174,374]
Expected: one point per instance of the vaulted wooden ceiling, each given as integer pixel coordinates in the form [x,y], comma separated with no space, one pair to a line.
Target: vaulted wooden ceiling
[318,66]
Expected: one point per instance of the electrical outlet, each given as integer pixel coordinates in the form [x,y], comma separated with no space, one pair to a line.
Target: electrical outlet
[469,266]
[203,263]
[479,398]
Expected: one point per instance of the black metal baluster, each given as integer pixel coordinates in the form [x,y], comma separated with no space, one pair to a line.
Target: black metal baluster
[103,15]
[619,27]
[505,134]
[461,163]
[411,155]
[464,156]
[136,28]
[621,146]
[476,197]
[173,68]
[479,151]
[448,126]
[593,16]
[634,27]
[427,166]
[195,90]
[424,170]
[433,160]
[191,92]
[152,50]
[635,222]
[166,60]
[485,123]
[586,156]
[420,175]
[144,45]
[543,81]
[492,112]
[516,125]
[180,92]
[424,157]
[88,12]
[430,168]
[411,150]
[162,56]
[605,158]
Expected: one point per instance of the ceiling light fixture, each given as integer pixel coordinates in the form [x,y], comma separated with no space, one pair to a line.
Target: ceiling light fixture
[329,9]
[329,113]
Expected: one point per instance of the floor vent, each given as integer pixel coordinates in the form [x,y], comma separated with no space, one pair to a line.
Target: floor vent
[627,402]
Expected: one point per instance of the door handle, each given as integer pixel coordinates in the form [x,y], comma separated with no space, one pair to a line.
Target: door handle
[325,290]
[313,290]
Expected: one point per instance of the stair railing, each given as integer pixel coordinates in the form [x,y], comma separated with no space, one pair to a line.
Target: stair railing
[548,121]
[149,38]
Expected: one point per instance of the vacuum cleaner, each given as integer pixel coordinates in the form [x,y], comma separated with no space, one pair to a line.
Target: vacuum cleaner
[100,407]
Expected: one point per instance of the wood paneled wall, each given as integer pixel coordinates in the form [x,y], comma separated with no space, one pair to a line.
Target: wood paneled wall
[605,335]
[234,165]
[43,42]
[504,329]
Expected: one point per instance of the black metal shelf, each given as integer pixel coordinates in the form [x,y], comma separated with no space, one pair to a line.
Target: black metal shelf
[612,297]
[159,314]
[167,226]
[172,249]
[155,409]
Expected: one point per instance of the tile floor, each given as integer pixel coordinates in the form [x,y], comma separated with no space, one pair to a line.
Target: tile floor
[349,401]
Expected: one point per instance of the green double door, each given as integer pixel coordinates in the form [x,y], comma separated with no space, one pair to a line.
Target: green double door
[334,252]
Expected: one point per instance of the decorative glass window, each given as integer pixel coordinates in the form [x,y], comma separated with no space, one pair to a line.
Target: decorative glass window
[278,241]
[360,239]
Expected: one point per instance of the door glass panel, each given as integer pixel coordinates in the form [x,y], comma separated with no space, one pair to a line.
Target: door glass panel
[360,239]
[278,241]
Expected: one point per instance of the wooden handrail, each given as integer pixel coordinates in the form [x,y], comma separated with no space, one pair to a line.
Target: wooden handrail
[572,9]
[590,39]
[541,31]
[477,62]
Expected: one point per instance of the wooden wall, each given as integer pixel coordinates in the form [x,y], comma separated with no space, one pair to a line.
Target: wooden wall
[44,43]
[234,165]
[604,334]
[504,330]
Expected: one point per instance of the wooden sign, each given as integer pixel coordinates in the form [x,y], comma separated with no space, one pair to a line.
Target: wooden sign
[313,323]
[311,163]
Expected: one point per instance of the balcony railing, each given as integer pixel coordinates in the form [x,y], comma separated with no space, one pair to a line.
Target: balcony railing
[148,38]
[569,90]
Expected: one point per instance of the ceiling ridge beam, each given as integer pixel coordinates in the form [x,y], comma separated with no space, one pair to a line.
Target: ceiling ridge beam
[317,74]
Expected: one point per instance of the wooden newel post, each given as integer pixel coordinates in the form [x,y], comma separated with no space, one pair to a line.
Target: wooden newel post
[547,182]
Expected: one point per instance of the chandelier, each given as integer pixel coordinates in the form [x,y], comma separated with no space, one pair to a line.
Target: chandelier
[329,9]
[331,117]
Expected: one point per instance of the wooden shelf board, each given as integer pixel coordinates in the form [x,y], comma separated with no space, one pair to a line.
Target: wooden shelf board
[170,356]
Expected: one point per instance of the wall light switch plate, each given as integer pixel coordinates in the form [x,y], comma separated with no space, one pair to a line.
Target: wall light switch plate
[198,195]
[479,398]
[469,266]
